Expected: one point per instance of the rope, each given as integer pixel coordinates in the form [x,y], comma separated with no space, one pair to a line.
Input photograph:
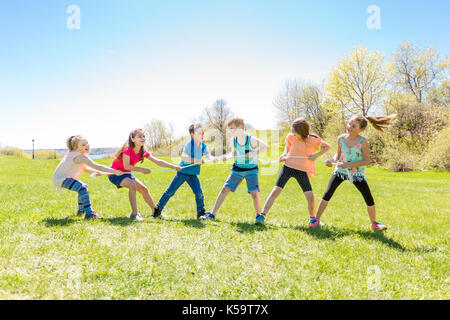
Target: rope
[207,161]
[296,157]
[97,174]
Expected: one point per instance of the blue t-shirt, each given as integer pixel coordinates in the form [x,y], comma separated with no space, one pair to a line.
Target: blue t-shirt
[196,152]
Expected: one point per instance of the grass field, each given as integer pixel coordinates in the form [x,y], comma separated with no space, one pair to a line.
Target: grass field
[46,252]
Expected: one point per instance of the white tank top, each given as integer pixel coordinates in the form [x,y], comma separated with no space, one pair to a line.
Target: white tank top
[68,169]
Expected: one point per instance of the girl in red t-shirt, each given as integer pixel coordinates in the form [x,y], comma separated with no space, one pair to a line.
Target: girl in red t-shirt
[125,160]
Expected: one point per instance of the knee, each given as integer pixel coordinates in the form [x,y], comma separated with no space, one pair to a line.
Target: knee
[132,186]
[254,194]
[143,189]
[309,195]
[276,191]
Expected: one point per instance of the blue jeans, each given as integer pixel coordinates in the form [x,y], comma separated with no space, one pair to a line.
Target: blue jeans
[176,183]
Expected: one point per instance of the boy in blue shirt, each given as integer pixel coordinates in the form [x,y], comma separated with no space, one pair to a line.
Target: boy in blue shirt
[193,152]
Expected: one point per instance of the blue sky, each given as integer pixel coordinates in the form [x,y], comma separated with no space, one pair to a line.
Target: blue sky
[132,61]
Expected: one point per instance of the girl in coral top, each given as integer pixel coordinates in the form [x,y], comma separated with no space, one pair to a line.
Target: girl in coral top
[299,143]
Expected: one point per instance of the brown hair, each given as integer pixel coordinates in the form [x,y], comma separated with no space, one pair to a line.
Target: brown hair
[194,127]
[379,123]
[302,127]
[73,141]
[130,144]
[238,122]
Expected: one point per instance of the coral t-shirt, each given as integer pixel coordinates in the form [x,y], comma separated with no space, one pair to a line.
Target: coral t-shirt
[296,147]
[134,158]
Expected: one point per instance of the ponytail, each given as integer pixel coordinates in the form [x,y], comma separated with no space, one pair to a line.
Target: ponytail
[379,123]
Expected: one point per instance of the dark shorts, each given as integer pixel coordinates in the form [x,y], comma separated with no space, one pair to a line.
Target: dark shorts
[302,178]
[117,180]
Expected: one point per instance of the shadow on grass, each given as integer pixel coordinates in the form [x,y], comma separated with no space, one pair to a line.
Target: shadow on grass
[193,223]
[120,221]
[324,232]
[245,227]
[332,233]
[381,237]
[52,222]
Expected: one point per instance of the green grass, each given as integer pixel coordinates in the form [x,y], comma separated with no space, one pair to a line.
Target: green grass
[46,252]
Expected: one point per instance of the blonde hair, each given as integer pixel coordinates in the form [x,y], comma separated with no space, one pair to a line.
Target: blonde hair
[73,141]
[379,123]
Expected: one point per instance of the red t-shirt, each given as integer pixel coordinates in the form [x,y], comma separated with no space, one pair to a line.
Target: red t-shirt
[134,158]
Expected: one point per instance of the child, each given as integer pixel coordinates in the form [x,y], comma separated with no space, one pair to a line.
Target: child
[193,152]
[298,143]
[245,149]
[69,170]
[353,151]
[125,160]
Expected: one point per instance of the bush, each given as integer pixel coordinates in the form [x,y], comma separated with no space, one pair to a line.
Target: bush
[15,152]
[47,154]
[438,153]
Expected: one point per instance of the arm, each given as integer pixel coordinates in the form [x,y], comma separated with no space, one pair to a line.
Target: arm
[231,154]
[87,161]
[212,158]
[163,163]
[260,145]
[128,166]
[287,146]
[188,159]
[325,148]
[337,155]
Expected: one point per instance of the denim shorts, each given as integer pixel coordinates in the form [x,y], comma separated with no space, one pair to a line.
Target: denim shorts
[117,180]
[236,177]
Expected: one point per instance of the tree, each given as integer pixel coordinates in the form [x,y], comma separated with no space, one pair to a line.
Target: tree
[416,70]
[288,102]
[217,117]
[158,134]
[356,83]
[300,99]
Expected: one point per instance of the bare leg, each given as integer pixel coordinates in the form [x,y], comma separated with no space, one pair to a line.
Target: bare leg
[271,199]
[142,189]
[322,206]
[372,213]
[131,185]
[311,203]
[220,198]
[256,201]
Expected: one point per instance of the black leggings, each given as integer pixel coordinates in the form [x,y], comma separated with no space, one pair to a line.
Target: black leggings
[362,186]
[302,178]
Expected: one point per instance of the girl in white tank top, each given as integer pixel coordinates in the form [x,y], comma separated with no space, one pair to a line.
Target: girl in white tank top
[71,167]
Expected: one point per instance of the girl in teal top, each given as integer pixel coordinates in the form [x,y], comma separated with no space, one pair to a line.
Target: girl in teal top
[353,155]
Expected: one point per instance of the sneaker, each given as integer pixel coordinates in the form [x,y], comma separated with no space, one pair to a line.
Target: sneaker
[314,222]
[378,226]
[92,215]
[157,212]
[200,213]
[260,219]
[208,215]
[137,217]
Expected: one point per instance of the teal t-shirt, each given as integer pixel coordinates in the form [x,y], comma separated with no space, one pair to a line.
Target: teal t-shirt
[196,152]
